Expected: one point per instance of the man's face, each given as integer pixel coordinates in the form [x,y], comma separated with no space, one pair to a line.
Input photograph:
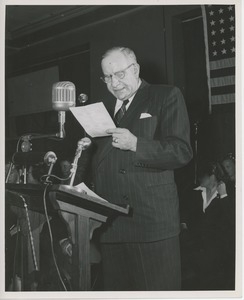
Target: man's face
[65,167]
[123,88]
[229,168]
[205,181]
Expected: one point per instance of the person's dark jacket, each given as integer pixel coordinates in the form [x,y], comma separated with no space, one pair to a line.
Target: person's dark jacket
[145,179]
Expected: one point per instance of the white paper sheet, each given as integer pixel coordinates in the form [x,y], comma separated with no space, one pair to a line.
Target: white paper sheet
[94,118]
[83,187]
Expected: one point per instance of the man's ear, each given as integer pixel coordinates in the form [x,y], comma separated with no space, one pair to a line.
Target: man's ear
[137,69]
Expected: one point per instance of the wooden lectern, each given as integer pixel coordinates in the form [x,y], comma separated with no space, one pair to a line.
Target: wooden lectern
[82,213]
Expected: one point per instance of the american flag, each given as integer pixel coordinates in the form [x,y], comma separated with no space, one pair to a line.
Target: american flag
[219,34]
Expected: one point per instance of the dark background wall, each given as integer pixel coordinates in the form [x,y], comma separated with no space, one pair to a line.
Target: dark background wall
[169,44]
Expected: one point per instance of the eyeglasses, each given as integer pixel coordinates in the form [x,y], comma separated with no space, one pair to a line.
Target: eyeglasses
[119,75]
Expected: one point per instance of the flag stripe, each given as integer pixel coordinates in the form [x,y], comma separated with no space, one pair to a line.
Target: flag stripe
[222,81]
[229,89]
[222,72]
[222,63]
[223,99]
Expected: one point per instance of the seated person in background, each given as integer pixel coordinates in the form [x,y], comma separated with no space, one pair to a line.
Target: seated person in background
[65,166]
[207,222]
[228,163]
[33,175]
[83,168]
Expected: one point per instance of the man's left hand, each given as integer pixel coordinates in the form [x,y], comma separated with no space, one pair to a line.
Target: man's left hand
[221,189]
[123,139]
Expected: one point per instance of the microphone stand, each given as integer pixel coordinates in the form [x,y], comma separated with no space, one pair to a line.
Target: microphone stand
[61,121]
[9,171]
[25,174]
[82,144]
[44,136]
[36,137]
[50,159]
[75,162]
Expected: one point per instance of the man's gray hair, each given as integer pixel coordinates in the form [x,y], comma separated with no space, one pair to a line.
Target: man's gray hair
[126,51]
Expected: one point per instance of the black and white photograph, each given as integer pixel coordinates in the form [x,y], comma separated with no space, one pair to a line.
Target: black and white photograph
[122,150]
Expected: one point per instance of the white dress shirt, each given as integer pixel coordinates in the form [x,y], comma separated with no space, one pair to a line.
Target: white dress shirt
[120,102]
[206,203]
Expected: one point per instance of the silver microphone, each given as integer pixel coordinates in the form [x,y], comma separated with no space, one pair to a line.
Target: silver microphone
[63,97]
[82,99]
[84,143]
[50,159]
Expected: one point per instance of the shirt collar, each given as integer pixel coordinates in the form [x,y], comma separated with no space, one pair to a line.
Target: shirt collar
[204,196]
[199,188]
[120,102]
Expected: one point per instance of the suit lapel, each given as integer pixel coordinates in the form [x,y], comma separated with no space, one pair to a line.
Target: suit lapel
[137,106]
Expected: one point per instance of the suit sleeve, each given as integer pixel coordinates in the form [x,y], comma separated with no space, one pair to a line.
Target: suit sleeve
[170,148]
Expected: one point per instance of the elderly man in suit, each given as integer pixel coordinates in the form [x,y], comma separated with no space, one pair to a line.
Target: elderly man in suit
[134,166]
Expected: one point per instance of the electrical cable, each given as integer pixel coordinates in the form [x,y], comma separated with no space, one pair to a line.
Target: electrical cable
[43,177]
[29,229]
[51,238]
[15,251]
[95,280]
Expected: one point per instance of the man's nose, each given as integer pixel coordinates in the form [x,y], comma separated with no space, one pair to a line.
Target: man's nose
[114,81]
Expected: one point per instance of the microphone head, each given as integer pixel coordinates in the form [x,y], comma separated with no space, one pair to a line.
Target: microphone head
[83,98]
[26,146]
[63,95]
[84,143]
[50,158]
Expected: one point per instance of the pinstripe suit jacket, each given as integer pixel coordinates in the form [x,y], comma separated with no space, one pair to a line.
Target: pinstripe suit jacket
[144,179]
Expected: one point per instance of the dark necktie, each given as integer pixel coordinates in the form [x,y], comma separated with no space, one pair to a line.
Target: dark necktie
[120,113]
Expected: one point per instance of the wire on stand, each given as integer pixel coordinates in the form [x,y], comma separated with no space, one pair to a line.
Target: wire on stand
[30,236]
[51,237]
[15,258]
[45,178]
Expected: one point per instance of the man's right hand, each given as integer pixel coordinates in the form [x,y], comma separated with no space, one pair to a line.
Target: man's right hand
[66,247]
